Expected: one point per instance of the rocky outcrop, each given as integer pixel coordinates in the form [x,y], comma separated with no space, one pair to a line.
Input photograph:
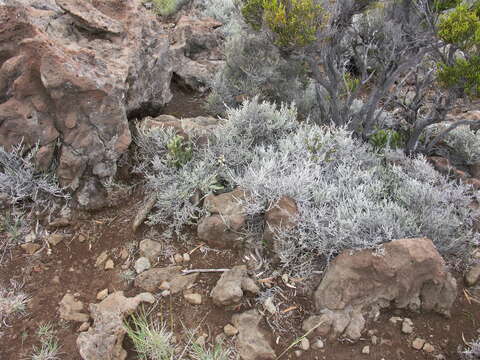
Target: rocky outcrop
[70,73]
[229,288]
[197,50]
[151,280]
[405,274]
[103,341]
[223,227]
[252,344]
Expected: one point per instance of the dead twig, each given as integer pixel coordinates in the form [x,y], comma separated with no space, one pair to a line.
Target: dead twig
[185,272]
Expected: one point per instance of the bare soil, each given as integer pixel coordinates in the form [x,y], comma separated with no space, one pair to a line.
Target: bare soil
[70,267]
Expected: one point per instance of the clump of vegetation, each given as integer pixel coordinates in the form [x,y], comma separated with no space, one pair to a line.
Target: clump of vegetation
[151,339]
[167,7]
[472,352]
[12,230]
[49,348]
[13,302]
[349,196]
[22,182]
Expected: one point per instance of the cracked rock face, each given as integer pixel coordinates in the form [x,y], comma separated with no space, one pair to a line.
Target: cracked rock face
[70,72]
[103,341]
[406,274]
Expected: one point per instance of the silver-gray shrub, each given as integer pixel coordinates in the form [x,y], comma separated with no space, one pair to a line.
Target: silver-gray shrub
[21,181]
[461,145]
[229,149]
[253,66]
[349,196]
[472,352]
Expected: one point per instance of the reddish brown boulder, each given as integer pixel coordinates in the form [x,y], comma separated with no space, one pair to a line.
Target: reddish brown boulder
[405,274]
[70,72]
[280,217]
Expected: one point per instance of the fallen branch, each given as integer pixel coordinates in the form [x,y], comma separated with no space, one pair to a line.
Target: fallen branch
[185,272]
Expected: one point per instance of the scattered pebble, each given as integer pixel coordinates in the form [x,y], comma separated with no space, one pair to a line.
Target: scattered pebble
[165,293]
[418,343]
[298,353]
[366,350]
[318,344]
[186,258]
[194,299]
[124,253]
[395,319]
[55,239]
[56,279]
[178,258]
[374,340]
[142,264]
[102,294]
[473,275]
[30,248]
[428,348]
[230,330]
[101,258]
[304,344]
[82,238]
[109,265]
[407,326]
[31,237]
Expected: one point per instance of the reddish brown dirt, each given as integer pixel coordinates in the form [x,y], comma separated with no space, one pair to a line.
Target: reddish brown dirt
[110,229]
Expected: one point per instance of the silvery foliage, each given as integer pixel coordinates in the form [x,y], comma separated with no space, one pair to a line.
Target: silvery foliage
[225,11]
[349,197]
[461,145]
[253,66]
[229,150]
[21,181]
[473,352]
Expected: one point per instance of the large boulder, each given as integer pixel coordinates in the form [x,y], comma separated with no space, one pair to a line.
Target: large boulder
[103,341]
[406,274]
[71,71]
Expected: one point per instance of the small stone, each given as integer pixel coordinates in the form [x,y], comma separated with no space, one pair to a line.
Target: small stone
[230,330]
[407,326]
[269,305]
[109,265]
[366,350]
[194,299]
[178,258]
[395,319]
[374,340]
[102,294]
[84,327]
[428,348]
[125,265]
[285,278]
[418,343]
[318,344]
[304,344]
[82,238]
[30,248]
[165,293]
[56,279]
[298,353]
[220,339]
[142,264]
[473,275]
[101,258]
[165,285]
[55,239]
[186,258]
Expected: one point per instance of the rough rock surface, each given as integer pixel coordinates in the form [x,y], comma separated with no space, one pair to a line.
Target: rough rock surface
[70,309]
[151,249]
[252,344]
[407,273]
[223,227]
[229,288]
[151,280]
[103,340]
[280,217]
[197,51]
[70,72]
